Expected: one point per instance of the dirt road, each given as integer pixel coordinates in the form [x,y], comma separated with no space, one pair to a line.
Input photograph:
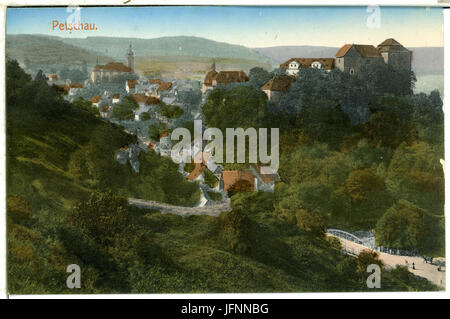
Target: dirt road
[422,269]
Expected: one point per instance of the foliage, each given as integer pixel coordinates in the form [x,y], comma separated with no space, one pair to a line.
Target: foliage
[124,109]
[403,226]
[230,107]
[156,130]
[169,111]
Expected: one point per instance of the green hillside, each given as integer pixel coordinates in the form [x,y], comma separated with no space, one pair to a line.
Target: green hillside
[39,49]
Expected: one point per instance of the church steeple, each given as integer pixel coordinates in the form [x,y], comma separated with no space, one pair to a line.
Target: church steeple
[130,57]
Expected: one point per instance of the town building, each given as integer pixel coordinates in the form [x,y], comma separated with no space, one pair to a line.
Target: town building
[95,100]
[116,98]
[113,70]
[109,72]
[352,57]
[214,78]
[293,65]
[277,86]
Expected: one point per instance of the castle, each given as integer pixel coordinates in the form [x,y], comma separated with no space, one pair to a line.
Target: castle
[351,58]
[112,70]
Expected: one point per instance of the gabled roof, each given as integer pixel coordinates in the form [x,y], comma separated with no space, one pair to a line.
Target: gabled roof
[226,77]
[328,63]
[164,86]
[154,81]
[142,98]
[113,66]
[116,96]
[210,76]
[105,108]
[281,83]
[96,99]
[366,51]
[391,45]
[231,177]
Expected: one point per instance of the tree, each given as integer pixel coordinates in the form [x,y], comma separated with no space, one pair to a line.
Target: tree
[156,130]
[240,106]
[258,76]
[403,226]
[315,223]
[366,258]
[85,105]
[170,111]
[362,181]
[124,109]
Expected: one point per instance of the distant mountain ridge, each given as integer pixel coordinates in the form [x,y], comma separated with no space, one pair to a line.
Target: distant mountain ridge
[45,49]
[167,46]
[52,49]
[426,60]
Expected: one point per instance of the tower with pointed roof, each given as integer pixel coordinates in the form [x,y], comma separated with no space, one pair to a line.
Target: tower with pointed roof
[130,57]
[395,54]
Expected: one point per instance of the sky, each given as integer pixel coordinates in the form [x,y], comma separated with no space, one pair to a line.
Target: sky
[249,26]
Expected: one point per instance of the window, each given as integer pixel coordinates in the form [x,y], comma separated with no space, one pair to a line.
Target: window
[352,71]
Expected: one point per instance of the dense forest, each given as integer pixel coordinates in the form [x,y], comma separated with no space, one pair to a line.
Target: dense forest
[67,196]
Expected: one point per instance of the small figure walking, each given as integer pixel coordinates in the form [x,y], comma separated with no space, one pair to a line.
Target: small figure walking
[414,266]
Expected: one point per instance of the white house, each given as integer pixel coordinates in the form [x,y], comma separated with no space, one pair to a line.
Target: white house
[292,66]
[116,98]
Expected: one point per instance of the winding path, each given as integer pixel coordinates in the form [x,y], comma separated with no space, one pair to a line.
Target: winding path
[211,210]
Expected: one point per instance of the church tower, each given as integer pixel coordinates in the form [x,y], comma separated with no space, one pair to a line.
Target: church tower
[130,58]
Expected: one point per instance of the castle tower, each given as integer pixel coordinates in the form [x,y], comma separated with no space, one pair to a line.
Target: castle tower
[130,58]
[395,54]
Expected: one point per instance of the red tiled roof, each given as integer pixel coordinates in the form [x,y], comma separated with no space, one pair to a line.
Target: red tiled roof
[113,66]
[281,83]
[366,51]
[96,99]
[231,177]
[391,45]
[116,96]
[226,77]
[164,86]
[105,108]
[154,81]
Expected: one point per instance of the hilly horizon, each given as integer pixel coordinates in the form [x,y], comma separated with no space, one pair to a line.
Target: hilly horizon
[173,57]
[182,56]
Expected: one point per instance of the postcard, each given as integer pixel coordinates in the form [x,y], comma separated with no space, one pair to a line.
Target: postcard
[224,149]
